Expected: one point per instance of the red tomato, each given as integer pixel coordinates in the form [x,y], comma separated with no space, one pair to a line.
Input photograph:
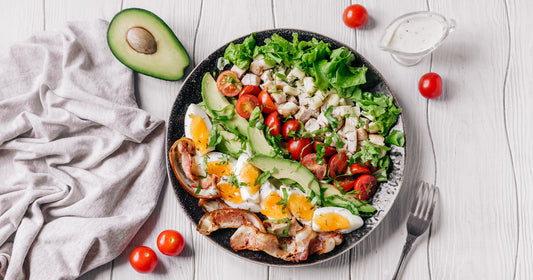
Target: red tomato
[246,104]
[170,242]
[337,165]
[143,259]
[319,170]
[430,85]
[346,182]
[288,126]
[228,83]
[356,168]
[365,187]
[250,89]
[329,150]
[355,16]
[299,147]
[273,122]
[266,102]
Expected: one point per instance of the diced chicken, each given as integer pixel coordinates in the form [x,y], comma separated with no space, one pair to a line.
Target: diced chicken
[251,79]
[366,122]
[259,65]
[279,98]
[349,137]
[228,218]
[322,120]
[346,101]
[293,100]
[267,76]
[304,98]
[268,86]
[305,114]
[331,100]
[351,123]
[309,85]
[362,134]
[311,125]
[317,100]
[376,139]
[290,90]
[287,109]
[341,111]
[240,72]
[295,74]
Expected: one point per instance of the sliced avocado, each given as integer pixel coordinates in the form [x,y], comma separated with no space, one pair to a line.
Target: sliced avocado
[258,142]
[143,42]
[331,196]
[290,169]
[229,145]
[218,104]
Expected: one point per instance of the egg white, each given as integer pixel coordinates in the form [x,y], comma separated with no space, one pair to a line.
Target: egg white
[194,109]
[200,162]
[245,190]
[354,220]
[290,191]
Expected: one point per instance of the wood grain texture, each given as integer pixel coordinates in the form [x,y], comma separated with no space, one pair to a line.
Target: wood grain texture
[13,28]
[518,113]
[475,237]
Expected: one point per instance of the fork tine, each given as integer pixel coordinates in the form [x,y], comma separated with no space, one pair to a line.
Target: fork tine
[417,200]
[434,200]
[423,200]
[427,201]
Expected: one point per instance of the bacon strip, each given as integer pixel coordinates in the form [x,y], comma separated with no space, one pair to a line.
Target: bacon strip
[228,218]
[209,205]
[325,242]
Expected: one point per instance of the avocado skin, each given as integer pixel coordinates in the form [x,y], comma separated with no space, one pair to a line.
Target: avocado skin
[145,68]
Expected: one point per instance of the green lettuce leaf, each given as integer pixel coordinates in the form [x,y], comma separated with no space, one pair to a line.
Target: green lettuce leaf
[241,54]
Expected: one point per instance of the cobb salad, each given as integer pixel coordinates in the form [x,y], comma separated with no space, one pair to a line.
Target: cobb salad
[286,146]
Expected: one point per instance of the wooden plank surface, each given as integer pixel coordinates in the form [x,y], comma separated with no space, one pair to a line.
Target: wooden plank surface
[472,141]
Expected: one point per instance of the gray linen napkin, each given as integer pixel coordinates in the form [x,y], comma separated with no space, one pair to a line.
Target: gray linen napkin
[81,166]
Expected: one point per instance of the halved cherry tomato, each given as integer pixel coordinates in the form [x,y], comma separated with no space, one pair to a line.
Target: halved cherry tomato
[170,242]
[228,83]
[266,102]
[355,16]
[346,182]
[430,85]
[299,147]
[143,259]
[273,122]
[365,187]
[250,89]
[245,105]
[319,170]
[357,168]
[329,150]
[288,126]
[337,164]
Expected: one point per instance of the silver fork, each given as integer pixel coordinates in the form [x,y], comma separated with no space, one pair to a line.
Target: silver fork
[419,219]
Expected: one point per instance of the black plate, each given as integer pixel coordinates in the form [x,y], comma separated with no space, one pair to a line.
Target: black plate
[190,92]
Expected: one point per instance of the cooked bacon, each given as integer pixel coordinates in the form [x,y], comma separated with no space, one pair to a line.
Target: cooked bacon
[298,246]
[278,228]
[209,205]
[325,242]
[228,218]
[180,156]
[248,237]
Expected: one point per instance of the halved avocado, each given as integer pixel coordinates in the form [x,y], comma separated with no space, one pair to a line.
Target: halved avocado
[143,42]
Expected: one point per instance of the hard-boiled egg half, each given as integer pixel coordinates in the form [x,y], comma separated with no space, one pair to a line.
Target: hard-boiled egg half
[198,128]
[299,205]
[335,219]
[273,202]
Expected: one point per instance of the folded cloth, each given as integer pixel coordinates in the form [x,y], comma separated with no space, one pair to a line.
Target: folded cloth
[81,166]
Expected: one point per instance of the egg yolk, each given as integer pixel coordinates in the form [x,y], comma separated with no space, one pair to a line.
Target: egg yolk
[331,222]
[300,207]
[230,192]
[219,168]
[272,209]
[248,175]
[199,133]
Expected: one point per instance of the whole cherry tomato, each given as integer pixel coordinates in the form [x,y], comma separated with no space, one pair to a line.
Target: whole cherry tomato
[245,105]
[288,126]
[357,168]
[273,122]
[337,164]
[266,102]
[355,16]
[228,83]
[430,85]
[250,89]
[365,187]
[143,259]
[170,242]
[299,147]
[319,170]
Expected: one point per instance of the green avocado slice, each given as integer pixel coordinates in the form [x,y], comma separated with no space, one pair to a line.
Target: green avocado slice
[143,42]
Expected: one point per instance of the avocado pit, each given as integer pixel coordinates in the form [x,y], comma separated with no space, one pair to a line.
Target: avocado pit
[141,40]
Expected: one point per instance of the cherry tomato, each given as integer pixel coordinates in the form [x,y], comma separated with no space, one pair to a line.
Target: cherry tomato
[273,122]
[143,259]
[245,105]
[329,150]
[355,16]
[170,242]
[299,147]
[365,187]
[319,170]
[266,102]
[228,83]
[430,85]
[356,168]
[346,182]
[337,164]
[250,89]
[288,126]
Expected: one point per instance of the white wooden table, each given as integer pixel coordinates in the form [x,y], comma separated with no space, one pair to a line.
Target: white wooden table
[473,142]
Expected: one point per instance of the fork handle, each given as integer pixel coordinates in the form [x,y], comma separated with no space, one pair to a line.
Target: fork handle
[406,248]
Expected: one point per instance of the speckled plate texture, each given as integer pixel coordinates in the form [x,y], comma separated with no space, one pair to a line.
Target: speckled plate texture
[190,92]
